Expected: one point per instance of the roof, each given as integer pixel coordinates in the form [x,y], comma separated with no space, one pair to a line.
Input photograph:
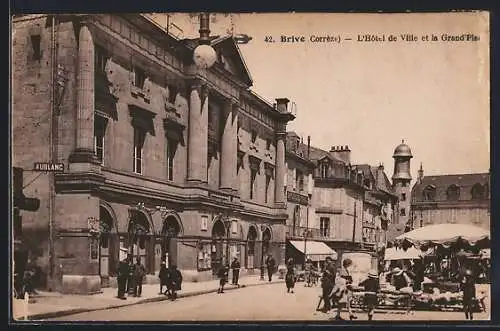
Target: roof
[441,183]
[318,154]
[402,150]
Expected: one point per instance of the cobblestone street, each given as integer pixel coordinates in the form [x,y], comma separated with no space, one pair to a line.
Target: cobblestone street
[261,303]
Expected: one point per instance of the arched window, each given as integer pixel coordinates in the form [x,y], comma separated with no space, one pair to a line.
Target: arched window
[453,192]
[429,193]
[478,192]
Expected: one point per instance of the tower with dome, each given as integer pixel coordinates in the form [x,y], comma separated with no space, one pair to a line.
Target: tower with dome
[401,180]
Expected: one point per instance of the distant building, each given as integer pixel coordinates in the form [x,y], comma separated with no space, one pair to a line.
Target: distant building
[461,199]
[352,204]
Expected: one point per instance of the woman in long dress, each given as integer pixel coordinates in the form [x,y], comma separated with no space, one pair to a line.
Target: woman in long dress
[290,276]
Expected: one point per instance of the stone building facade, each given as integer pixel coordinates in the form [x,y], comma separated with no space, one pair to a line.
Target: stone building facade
[169,161]
[354,204]
[460,199]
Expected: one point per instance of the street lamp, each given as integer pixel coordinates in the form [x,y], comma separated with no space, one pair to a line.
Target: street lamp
[204,55]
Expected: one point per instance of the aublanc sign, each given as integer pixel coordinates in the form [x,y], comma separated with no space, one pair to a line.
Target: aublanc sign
[48,166]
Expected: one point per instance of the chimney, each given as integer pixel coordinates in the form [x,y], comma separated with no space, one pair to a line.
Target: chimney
[308,147]
[380,176]
[282,105]
[420,174]
[344,153]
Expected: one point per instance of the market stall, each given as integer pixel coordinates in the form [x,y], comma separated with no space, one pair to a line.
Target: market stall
[444,251]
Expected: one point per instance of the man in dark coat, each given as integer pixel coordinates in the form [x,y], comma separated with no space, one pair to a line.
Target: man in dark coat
[371,286]
[174,281]
[139,274]
[131,276]
[235,266]
[327,283]
[123,269]
[271,265]
[468,287]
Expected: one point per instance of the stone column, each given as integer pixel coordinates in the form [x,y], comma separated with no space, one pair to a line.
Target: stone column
[234,152]
[229,150]
[84,150]
[279,192]
[198,132]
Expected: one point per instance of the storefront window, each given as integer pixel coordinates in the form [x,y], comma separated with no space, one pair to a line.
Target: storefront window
[204,260]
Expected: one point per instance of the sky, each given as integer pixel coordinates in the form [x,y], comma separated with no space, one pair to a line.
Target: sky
[434,95]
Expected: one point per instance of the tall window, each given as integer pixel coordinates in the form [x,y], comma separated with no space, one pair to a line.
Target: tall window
[171,147]
[324,226]
[100,60]
[99,134]
[403,196]
[402,212]
[253,176]
[139,136]
[323,170]
[36,47]
[299,180]
[268,180]
[268,144]
[254,136]
[139,77]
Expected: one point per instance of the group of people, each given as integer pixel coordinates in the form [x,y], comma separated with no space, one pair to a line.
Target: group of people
[223,274]
[130,277]
[337,289]
[171,278]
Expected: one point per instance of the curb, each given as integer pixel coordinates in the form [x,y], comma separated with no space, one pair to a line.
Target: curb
[158,298]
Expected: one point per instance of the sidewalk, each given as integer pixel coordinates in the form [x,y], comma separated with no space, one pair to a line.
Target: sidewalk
[49,304]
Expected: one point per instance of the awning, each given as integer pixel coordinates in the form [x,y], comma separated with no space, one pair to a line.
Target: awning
[315,250]
[412,253]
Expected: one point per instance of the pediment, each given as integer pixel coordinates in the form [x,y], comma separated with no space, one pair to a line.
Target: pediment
[230,59]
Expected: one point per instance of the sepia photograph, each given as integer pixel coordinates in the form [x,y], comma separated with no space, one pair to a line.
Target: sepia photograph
[250,167]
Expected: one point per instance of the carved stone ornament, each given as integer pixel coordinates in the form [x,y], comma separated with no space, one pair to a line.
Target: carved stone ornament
[94,226]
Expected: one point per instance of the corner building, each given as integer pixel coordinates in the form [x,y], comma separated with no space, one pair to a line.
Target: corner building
[161,158]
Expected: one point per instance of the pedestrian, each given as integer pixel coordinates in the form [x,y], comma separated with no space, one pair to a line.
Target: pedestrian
[468,287]
[400,280]
[308,272]
[131,275]
[290,276]
[163,275]
[122,276]
[327,284]
[418,279]
[175,281]
[235,266]
[223,274]
[139,274]
[271,265]
[371,286]
[346,274]
[339,297]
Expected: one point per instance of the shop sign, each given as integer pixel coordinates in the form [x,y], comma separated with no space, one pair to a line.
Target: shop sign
[48,166]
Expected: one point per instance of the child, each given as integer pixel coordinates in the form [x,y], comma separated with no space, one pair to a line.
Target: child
[223,276]
[371,286]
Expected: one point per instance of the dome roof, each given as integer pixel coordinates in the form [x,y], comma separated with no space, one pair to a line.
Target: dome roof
[402,150]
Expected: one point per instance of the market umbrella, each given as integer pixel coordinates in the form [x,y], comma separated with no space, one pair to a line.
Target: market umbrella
[445,234]
[412,253]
